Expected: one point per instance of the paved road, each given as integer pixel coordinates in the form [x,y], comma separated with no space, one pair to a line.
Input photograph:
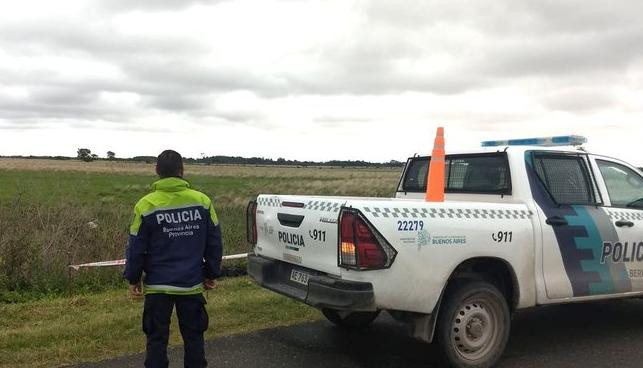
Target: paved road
[607,334]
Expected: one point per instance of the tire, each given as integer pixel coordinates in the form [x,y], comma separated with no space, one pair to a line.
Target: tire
[473,325]
[348,319]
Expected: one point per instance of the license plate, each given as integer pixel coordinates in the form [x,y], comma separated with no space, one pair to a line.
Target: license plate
[299,277]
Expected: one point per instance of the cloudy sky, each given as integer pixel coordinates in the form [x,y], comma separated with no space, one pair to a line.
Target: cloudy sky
[320,79]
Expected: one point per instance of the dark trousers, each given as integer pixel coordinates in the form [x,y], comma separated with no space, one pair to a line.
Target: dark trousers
[193,321]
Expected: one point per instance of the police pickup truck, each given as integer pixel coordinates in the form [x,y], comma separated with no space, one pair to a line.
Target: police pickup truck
[525,223]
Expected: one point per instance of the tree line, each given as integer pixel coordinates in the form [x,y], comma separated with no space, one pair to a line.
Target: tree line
[238,160]
[86,155]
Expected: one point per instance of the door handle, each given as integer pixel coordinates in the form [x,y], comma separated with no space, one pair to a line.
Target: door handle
[289,220]
[623,223]
[556,221]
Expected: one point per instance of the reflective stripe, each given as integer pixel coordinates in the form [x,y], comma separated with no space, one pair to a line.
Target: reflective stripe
[170,292]
[213,216]
[137,220]
[169,289]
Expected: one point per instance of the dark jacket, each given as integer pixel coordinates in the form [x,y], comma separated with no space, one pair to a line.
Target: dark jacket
[175,238]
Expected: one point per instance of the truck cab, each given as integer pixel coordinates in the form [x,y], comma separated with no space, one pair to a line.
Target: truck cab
[609,188]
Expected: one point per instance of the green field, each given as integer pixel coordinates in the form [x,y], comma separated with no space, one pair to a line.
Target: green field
[45,208]
[50,315]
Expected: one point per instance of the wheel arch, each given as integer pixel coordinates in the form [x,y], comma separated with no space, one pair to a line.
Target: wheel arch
[495,270]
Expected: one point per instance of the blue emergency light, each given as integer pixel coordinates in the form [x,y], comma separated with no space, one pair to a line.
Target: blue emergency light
[565,140]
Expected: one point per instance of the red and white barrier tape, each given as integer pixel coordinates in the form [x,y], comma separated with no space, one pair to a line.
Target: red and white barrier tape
[120,262]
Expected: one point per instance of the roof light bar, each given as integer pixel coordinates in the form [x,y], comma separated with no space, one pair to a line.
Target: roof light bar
[565,140]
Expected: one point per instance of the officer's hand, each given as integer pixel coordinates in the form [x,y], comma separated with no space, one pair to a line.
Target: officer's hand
[136,290]
[209,284]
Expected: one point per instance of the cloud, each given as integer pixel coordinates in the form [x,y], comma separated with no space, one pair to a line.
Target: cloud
[272,65]
[579,100]
[176,102]
[190,76]
[519,39]
[150,5]
[610,52]
[20,125]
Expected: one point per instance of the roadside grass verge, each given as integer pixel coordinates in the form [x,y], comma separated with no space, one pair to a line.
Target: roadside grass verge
[60,331]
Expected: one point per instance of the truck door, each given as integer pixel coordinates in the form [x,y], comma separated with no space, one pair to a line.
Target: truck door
[624,205]
[574,226]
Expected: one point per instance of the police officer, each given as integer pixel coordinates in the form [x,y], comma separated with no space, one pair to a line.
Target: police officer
[175,239]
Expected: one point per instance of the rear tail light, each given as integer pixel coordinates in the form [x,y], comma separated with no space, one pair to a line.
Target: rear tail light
[361,246]
[251,223]
[347,251]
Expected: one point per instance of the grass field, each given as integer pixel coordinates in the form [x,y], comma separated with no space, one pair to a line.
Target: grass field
[50,316]
[46,205]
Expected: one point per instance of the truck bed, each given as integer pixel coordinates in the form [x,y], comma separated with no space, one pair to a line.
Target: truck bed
[303,231]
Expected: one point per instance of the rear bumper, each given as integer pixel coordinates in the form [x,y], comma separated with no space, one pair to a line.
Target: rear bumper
[321,292]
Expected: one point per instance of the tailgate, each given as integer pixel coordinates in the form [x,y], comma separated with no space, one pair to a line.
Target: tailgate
[300,230]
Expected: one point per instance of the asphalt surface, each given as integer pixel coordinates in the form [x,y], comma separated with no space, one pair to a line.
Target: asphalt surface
[606,334]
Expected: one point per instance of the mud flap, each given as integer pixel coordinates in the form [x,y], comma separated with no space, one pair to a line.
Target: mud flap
[423,326]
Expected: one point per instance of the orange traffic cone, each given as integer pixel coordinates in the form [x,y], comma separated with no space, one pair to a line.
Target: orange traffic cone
[435,178]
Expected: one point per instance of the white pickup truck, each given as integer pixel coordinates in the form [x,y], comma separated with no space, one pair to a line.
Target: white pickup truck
[524,223]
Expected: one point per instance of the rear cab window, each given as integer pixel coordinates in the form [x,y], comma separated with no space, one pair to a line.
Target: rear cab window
[484,173]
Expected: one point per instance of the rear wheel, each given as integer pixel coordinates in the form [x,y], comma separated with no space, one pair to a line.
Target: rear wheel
[473,325]
[349,319]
